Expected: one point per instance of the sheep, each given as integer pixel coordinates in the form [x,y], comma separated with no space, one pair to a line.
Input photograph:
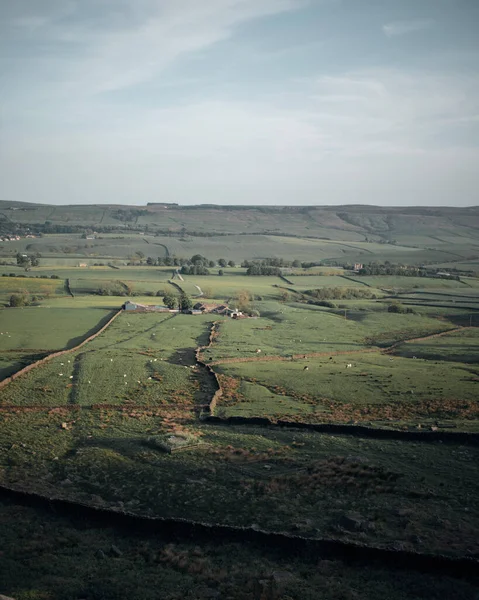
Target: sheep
[306,368]
[348,366]
[258,350]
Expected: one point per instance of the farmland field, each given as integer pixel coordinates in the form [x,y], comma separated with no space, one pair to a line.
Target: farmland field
[131,422]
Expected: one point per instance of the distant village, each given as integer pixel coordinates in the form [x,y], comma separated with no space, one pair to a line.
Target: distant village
[13,237]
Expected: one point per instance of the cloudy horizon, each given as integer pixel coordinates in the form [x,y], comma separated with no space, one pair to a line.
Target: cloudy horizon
[310,102]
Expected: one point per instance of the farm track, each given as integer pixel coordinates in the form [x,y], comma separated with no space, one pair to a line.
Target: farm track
[313,548]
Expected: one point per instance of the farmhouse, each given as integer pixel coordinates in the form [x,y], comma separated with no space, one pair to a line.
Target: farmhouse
[357,267]
[221,309]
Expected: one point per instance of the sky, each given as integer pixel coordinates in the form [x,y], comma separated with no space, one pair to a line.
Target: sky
[293,102]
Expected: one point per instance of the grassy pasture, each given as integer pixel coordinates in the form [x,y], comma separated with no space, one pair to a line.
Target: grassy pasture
[310,282]
[234,281]
[303,329]
[309,482]
[27,334]
[374,379]
[282,480]
[459,346]
[288,331]
[48,385]
[44,328]
[30,285]
[141,359]
[383,328]
[397,282]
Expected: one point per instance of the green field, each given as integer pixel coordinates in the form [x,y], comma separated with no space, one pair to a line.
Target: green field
[121,423]
[30,286]
[47,329]
[375,389]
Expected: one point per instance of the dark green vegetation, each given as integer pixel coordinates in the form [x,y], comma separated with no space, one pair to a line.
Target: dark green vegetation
[49,557]
[122,422]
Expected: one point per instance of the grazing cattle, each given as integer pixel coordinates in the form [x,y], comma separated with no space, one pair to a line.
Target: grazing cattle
[348,366]
[258,350]
[306,369]
[330,358]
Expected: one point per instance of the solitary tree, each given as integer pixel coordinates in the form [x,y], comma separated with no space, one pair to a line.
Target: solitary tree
[231,263]
[222,262]
[24,261]
[169,301]
[185,303]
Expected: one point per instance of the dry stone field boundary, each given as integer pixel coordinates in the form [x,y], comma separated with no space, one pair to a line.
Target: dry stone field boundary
[314,548]
[46,359]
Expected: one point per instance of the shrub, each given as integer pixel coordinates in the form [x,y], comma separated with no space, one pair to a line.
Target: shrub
[397,307]
[17,300]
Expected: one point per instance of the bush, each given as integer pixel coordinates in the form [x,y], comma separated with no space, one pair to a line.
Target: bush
[397,307]
[17,300]
[325,303]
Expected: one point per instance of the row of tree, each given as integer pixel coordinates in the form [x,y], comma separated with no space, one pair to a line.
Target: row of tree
[196,260]
[340,293]
[402,270]
[260,269]
[181,302]
[272,262]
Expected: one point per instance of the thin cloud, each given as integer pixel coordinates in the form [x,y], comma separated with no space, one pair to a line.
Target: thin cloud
[397,28]
[111,50]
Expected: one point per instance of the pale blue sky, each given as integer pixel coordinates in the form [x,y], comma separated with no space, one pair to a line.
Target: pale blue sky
[240,101]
